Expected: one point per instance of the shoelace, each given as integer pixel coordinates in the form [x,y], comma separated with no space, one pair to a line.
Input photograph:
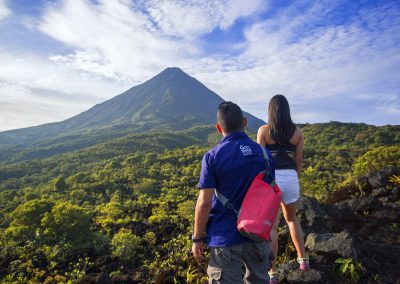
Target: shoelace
[300,260]
[273,275]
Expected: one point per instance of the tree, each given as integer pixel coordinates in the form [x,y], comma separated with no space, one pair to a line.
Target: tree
[60,185]
[125,246]
[147,186]
[26,220]
[67,223]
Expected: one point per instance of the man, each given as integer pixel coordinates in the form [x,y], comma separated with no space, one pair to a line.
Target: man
[229,168]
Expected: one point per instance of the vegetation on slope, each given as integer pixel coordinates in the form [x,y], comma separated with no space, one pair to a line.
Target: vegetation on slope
[126,206]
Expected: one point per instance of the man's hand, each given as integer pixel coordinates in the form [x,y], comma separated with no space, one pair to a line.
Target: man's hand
[202,211]
[198,251]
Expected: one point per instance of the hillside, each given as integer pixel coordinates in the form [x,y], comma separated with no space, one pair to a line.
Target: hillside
[75,142]
[330,150]
[171,100]
[36,171]
[125,206]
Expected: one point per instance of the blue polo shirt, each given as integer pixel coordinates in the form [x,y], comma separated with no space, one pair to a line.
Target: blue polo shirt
[229,167]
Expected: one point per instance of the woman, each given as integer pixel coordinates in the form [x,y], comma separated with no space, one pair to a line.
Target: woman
[285,141]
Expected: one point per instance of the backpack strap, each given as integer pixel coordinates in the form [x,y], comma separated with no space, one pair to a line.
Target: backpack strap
[267,165]
[265,154]
[225,201]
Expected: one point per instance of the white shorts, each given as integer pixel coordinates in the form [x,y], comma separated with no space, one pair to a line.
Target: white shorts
[288,182]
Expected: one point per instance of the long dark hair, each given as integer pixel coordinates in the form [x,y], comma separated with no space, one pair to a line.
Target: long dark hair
[281,126]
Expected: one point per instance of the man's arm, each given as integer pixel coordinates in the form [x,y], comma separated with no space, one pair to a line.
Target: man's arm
[202,212]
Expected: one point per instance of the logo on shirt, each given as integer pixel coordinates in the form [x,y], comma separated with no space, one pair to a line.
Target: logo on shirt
[246,150]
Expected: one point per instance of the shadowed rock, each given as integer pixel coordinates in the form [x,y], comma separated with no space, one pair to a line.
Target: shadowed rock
[96,278]
[338,244]
[360,222]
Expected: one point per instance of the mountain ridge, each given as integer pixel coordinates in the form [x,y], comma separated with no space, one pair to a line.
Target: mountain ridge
[171,99]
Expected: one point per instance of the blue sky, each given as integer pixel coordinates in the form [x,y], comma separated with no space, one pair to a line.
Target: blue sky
[334,60]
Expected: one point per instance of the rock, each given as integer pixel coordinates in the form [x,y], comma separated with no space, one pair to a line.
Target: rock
[363,203]
[123,279]
[96,278]
[319,273]
[379,192]
[379,179]
[362,185]
[314,218]
[384,200]
[339,244]
[334,212]
[347,191]
[282,233]
[347,214]
[395,192]
[376,180]
[386,215]
[298,276]
[366,203]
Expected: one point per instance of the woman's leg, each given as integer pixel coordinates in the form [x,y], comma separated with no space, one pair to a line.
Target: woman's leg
[289,212]
[274,241]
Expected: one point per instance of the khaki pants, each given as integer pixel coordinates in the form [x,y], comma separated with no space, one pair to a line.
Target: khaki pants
[225,264]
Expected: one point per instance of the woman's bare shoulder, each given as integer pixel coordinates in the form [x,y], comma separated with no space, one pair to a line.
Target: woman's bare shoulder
[263,128]
[297,136]
[299,131]
[262,135]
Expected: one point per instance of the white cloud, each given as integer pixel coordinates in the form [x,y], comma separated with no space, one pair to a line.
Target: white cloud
[36,72]
[21,105]
[114,45]
[330,62]
[34,90]
[112,39]
[4,10]
[189,19]
[127,41]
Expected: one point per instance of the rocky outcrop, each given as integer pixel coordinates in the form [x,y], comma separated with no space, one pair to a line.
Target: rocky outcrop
[316,217]
[342,244]
[362,185]
[359,222]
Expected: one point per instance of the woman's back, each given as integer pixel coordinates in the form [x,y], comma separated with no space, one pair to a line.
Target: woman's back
[288,156]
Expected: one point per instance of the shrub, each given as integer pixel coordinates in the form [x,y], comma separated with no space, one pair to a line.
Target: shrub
[350,269]
[377,159]
[125,246]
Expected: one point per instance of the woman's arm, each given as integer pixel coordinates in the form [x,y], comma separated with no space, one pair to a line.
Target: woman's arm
[260,135]
[298,156]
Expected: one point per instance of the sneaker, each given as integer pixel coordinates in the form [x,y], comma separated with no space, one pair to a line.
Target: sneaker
[273,278]
[304,264]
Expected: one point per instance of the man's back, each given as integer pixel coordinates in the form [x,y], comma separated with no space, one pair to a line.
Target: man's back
[229,167]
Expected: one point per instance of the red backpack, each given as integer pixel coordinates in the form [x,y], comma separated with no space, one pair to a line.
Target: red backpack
[259,207]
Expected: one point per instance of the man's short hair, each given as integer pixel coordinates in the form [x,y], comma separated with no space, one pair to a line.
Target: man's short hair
[230,117]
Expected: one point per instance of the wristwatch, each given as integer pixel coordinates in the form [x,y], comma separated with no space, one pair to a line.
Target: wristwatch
[197,240]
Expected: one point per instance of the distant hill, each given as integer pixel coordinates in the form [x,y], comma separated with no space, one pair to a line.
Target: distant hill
[330,150]
[170,100]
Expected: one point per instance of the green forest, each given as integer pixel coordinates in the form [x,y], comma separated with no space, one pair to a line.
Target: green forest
[126,205]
